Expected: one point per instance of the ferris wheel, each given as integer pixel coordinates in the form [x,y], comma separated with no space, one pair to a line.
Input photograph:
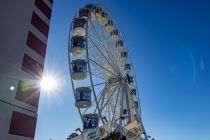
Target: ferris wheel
[102,74]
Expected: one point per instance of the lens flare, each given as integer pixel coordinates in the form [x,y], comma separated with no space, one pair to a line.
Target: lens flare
[12,88]
[48,83]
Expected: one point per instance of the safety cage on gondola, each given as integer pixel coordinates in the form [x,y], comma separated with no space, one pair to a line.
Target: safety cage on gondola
[127,67]
[98,11]
[114,34]
[90,121]
[79,26]
[124,55]
[104,19]
[136,104]
[101,16]
[129,79]
[119,45]
[133,92]
[79,69]
[109,25]
[83,97]
[78,45]
[84,13]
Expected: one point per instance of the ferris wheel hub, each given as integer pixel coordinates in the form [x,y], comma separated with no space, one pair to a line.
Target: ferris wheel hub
[114,80]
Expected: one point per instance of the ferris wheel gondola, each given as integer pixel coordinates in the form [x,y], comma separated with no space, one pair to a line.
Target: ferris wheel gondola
[102,74]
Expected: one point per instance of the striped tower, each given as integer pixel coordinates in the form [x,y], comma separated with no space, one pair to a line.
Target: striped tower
[24,28]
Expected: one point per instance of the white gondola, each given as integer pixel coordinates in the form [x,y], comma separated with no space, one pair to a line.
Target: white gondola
[93,16]
[79,27]
[78,46]
[120,45]
[114,34]
[83,13]
[90,121]
[79,69]
[103,20]
[91,9]
[136,104]
[83,97]
[98,14]
[124,55]
[133,92]
[129,79]
[109,25]
[127,67]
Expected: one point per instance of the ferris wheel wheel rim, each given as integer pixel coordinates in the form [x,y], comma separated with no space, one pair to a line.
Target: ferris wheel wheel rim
[88,63]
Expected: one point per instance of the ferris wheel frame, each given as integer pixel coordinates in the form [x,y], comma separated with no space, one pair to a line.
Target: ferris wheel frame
[122,83]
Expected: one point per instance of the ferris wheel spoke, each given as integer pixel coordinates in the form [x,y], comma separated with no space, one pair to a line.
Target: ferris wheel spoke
[118,59]
[97,69]
[107,111]
[98,84]
[136,87]
[110,103]
[99,72]
[96,75]
[109,41]
[102,54]
[95,35]
[100,75]
[111,50]
[101,99]
[115,106]
[102,48]
[100,39]
[108,44]
[108,108]
[104,62]
[137,109]
[98,96]
[110,96]
[98,53]
[121,103]
[92,61]
[94,92]
[127,101]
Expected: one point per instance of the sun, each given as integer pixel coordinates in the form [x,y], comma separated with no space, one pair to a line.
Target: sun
[48,83]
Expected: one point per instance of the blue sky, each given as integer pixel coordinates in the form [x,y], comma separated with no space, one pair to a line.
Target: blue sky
[169,42]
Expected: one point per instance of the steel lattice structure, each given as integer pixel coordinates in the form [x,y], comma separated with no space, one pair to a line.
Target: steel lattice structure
[101,69]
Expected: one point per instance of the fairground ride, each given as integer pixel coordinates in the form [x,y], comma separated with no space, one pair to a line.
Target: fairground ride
[103,79]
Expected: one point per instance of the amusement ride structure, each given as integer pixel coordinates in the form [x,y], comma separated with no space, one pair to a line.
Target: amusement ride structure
[103,79]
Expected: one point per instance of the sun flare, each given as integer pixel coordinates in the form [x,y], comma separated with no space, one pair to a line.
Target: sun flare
[48,83]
